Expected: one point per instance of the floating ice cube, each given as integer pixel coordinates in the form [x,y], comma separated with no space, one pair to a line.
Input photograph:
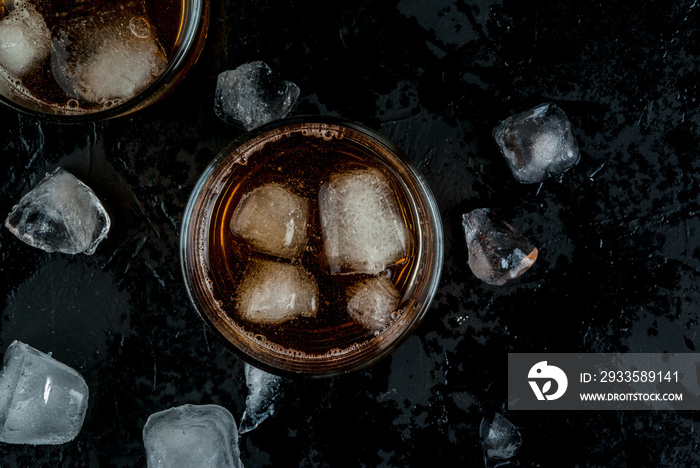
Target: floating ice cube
[107,57]
[363,230]
[273,220]
[497,252]
[263,390]
[252,95]
[60,214]
[500,439]
[372,302]
[192,436]
[25,40]
[537,144]
[42,401]
[273,292]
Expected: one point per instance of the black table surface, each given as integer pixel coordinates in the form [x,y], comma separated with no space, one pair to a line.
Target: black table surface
[618,234]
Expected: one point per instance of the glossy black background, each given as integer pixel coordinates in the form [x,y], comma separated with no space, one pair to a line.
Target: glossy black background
[618,234]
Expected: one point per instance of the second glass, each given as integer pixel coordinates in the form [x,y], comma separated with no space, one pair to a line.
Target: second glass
[75,61]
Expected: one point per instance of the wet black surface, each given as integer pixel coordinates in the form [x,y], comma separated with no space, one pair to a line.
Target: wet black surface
[618,234]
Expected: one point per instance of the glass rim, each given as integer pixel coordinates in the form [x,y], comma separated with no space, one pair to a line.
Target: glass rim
[374,349]
[188,51]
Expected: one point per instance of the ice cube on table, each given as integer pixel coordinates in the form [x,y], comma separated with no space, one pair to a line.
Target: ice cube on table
[263,391]
[274,292]
[42,401]
[500,438]
[25,40]
[192,436]
[60,214]
[538,143]
[372,302]
[273,220]
[362,227]
[497,252]
[252,95]
[108,57]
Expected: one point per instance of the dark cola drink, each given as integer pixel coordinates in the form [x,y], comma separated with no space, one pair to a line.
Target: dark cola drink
[271,264]
[318,254]
[78,57]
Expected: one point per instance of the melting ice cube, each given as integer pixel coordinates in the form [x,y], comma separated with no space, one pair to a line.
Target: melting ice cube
[537,144]
[107,57]
[497,252]
[25,40]
[60,214]
[42,401]
[363,230]
[273,220]
[372,302]
[500,439]
[192,435]
[253,95]
[263,390]
[273,292]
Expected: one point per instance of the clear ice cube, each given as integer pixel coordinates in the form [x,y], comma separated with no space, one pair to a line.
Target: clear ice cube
[500,438]
[192,436]
[273,220]
[497,252]
[60,214]
[273,292]
[363,230]
[107,57]
[537,144]
[25,40]
[263,391]
[373,302]
[252,95]
[42,401]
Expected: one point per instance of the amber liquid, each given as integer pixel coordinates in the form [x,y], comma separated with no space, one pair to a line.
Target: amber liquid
[301,163]
[164,16]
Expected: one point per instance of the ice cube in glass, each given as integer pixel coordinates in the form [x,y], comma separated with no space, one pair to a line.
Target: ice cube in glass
[25,40]
[363,230]
[373,302]
[108,57]
[273,220]
[274,292]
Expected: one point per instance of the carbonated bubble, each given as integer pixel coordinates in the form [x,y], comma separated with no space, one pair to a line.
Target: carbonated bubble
[139,27]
